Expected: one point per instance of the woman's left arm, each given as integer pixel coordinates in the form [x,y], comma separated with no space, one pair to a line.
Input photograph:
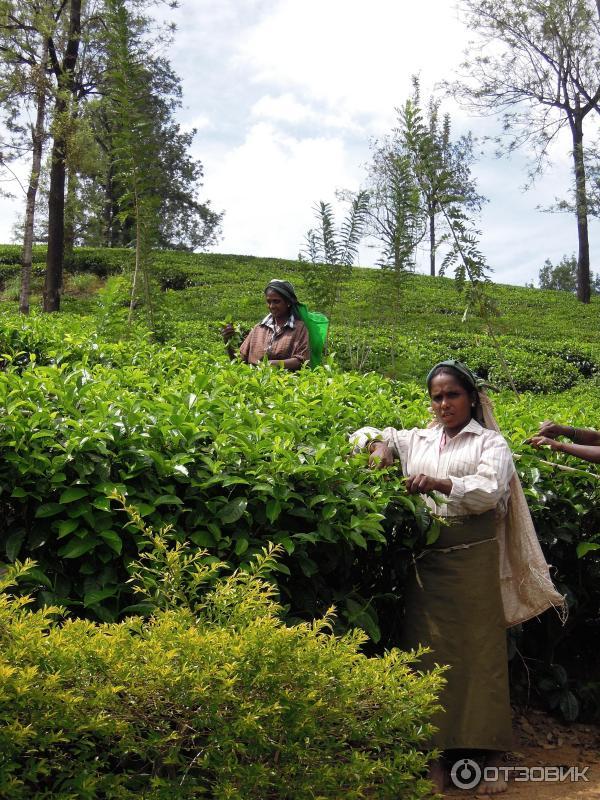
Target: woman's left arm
[483,489]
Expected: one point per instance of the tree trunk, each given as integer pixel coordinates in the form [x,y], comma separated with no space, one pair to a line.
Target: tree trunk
[431,213]
[397,258]
[37,138]
[71,199]
[108,216]
[583,259]
[138,259]
[56,196]
[56,222]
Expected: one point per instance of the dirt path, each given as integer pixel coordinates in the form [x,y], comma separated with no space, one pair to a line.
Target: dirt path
[541,741]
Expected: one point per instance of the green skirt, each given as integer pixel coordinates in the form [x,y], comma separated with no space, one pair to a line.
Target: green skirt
[454,606]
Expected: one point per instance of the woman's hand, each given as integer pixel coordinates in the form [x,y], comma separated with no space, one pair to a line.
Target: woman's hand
[227,332]
[545,441]
[551,430]
[381,456]
[421,484]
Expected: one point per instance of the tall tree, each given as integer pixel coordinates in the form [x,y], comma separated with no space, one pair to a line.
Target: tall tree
[396,217]
[184,221]
[442,166]
[38,133]
[63,65]
[414,172]
[73,36]
[135,146]
[563,276]
[537,65]
[24,91]
[45,37]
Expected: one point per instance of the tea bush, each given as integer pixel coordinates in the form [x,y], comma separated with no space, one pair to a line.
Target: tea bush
[534,368]
[235,457]
[213,698]
[231,456]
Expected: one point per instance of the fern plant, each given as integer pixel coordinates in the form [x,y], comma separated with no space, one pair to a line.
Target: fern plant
[329,252]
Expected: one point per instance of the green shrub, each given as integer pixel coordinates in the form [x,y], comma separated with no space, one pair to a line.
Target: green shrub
[80,282]
[206,699]
[12,288]
[232,456]
[134,393]
[100,261]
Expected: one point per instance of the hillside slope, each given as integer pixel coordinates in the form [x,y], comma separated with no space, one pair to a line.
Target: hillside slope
[549,340]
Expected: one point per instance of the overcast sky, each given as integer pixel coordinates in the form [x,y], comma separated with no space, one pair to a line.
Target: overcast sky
[286,96]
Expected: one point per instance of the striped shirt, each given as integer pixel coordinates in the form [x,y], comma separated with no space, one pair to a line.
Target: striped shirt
[266,338]
[477,460]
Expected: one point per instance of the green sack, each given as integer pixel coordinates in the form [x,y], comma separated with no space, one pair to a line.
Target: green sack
[317,325]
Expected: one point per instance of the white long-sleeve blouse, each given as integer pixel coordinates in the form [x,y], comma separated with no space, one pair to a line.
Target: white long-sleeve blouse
[477,460]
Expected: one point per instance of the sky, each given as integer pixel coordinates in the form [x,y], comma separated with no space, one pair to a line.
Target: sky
[286,97]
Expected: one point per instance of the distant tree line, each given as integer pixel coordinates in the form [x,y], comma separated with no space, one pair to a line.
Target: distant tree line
[563,276]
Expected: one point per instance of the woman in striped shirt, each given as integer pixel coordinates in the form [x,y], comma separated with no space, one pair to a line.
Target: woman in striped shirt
[453,601]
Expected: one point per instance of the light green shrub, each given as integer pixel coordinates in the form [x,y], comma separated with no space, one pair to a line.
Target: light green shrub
[213,699]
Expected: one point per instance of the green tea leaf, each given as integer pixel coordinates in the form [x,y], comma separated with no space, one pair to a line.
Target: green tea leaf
[72,494]
[233,510]
[168,500]
[112,539]
[13,544]
[586,547]
[78,547]
[67,526]
[49,510]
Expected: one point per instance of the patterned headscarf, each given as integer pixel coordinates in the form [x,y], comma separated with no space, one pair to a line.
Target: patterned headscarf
[284,288]
[474,381]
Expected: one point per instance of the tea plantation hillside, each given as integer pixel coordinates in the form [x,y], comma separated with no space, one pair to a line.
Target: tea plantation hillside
[549,339]
[235,458]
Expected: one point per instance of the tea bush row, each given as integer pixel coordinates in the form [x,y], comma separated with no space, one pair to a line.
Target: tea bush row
[236,457]
[535,367]
[211,284]
[232,457]
[212,697]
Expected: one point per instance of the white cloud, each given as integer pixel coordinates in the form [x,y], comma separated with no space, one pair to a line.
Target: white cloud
[288,111]
[268,186]
[282,108]
[201,122]
[352,56]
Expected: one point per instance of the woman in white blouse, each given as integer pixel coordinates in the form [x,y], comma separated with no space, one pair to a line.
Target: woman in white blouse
[453,601]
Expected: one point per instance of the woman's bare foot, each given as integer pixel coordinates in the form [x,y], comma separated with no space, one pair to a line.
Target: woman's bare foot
[495,758]
[437,775]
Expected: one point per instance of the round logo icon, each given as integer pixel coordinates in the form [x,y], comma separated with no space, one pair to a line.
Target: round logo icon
[465,773]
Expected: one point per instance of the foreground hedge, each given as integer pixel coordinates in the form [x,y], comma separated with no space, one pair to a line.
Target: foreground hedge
[215,700]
